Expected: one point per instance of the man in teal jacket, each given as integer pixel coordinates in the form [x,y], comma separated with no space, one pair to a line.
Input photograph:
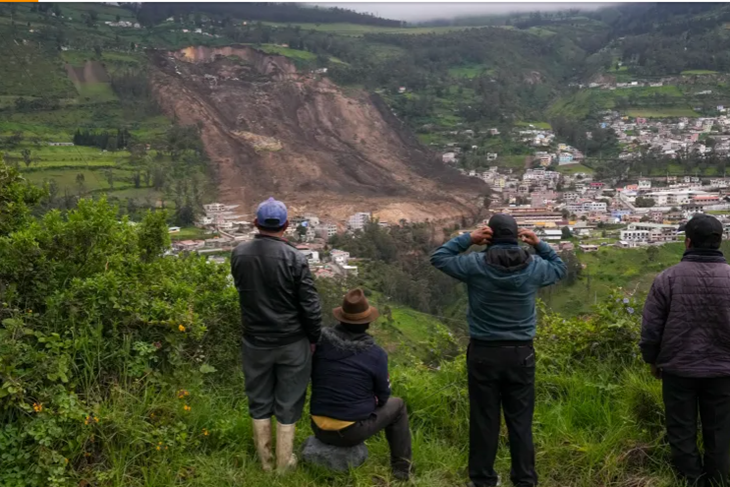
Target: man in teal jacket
[502,285]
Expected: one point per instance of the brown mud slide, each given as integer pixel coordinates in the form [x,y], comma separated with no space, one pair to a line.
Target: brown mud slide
[271,131]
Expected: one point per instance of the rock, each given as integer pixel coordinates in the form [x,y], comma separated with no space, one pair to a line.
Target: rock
[337,458]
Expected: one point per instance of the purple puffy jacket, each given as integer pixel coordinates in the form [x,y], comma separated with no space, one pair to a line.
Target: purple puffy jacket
[686,322]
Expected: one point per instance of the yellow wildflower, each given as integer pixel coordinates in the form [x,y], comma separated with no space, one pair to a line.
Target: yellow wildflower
[158,447]
[187,408]
[96,419]
[205,432]
[37,407]
[181,328]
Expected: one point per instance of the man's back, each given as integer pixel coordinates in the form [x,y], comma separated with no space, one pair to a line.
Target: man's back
[349,372]
[687,314]
[279,303]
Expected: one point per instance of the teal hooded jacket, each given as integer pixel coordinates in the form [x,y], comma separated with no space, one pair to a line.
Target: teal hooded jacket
[502,285]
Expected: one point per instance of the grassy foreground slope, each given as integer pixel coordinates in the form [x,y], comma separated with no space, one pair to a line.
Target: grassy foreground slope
[122,368]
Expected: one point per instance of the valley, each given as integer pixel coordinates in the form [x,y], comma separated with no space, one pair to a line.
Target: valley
[149,132]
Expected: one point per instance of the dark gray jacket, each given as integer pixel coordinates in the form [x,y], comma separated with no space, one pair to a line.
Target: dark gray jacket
[279,303]
[686,326]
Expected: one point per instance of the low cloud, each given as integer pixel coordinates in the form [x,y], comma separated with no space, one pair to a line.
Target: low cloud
[420,12]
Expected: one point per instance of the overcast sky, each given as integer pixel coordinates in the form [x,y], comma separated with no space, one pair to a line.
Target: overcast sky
[421,11]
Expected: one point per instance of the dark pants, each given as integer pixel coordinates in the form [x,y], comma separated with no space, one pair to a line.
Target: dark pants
[684,397]
[501,376]
[391,417]
[277,379]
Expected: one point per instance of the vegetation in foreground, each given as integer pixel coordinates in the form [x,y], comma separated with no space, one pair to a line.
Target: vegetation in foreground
[120,368]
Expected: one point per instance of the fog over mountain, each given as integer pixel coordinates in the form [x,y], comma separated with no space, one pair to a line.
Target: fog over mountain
[422,11]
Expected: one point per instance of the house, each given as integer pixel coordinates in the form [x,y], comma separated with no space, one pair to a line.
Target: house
[565,158]
[494,131]
[340,257]
[644,184]
[624,244]
[449,157]
[492,156]
[588,248]
[312,256]
[350,270]
[402,89]
[173,230]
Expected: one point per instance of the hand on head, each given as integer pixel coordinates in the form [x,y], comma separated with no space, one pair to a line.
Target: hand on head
[528,236]
[482,236]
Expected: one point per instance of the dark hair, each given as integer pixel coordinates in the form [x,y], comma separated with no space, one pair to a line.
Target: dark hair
[704,232]
[355,328]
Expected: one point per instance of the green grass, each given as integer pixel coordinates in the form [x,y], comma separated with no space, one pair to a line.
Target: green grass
[190,233]
[96,92]
[583,102]
[662,112]
[607,269]
[285,51]
[511,161]
[94,180]
[468,71]
[31,71]
[538,125]
[360,29]
[697,71]
[573,169]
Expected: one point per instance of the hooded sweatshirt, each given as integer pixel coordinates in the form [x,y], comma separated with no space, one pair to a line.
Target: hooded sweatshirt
[349,373]
[502,285]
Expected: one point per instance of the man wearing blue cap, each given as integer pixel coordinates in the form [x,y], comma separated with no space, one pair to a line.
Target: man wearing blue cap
[282,321]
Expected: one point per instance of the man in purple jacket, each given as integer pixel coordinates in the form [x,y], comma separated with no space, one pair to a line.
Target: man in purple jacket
[685,337]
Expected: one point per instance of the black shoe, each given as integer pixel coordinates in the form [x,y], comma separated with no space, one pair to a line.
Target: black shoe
[402,472]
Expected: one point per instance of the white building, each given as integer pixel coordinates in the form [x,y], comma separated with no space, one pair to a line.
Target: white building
[358,221]
[340,257]
[645,184]
[449,157]
[326,231]
[649,232]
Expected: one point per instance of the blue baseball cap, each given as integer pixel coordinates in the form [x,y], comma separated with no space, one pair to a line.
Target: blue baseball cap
[271,214]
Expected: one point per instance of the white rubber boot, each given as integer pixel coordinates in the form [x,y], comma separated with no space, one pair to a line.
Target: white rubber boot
[262,440]
[285,458]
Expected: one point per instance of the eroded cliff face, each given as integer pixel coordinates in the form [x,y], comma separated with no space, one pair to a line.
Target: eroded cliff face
[271,131]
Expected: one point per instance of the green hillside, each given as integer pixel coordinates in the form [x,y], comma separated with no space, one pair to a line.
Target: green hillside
[121,368]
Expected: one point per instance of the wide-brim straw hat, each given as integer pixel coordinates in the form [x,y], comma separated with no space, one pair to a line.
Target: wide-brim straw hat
[355,309]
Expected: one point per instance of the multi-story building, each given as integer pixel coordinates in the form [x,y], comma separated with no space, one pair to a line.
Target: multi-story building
[326,231]
[587,207]
[358,221]
[649,232]
[529,217]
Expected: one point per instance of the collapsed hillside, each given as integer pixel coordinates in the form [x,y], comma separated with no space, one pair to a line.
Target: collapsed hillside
[270,130]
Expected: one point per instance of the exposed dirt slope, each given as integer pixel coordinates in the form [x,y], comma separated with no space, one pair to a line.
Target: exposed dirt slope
[272,131]
[90,72]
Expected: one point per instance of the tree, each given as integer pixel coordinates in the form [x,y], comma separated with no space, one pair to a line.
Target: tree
[17,197]
[643,202]
[109,174]
[80,180]
[26,153]
[652,252]
[566,233]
